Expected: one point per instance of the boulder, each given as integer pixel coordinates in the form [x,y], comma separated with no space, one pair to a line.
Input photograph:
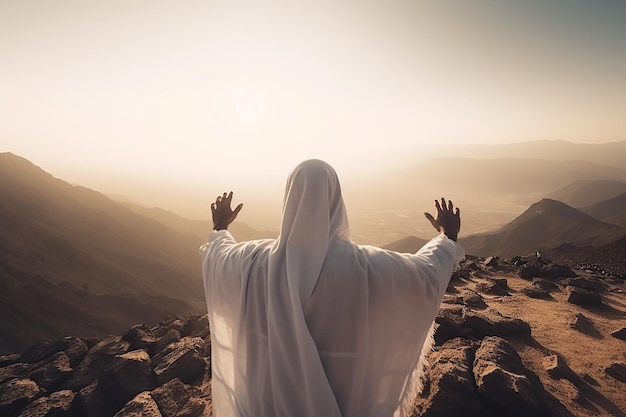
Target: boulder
[141,406]
[536,292]
[449,389]
[546,285]
[620,334]
[131,373]
[111,345]
[582,297]
[617,371]
[513,327]
[6,360]
[583,324]
[58,404]
[98,399]
[182,359]
[556,271]
[15,370]
[165,336]
[177,399]
[51,372]
[196,326]
[140,337]
[495,286]
[586,283]
[503,383]
[491,262]
[15,395]
[557,368]
[529,271]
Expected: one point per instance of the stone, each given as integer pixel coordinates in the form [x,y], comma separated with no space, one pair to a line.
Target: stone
[52,371]
[491,261]
[132,373]
[58,404]
[583,324]
[536,292]
[546,285]
[513,327]
[495,286]
[76,350]
[164,337]
[16,394]
[177,399]
[141,406]
[98,399]
[6,360]
[451,324]
[473,299]
[41,351]
[617,371]
[503,383]
[586,283]
[111,345]
[182,359]
[449,389]
[529,271]
[556,271]
[620,334]
[557,368]
[16,370]
[583,297]
[196,326]
[140,337]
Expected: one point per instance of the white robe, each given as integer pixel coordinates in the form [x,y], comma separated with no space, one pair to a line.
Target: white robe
[313,325]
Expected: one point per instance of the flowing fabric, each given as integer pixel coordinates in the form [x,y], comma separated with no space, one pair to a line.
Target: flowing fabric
[313,325]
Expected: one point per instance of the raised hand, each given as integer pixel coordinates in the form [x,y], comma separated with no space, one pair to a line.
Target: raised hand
[223,215]
[447,221]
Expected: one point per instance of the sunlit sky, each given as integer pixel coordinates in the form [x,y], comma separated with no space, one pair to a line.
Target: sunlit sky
[189,92]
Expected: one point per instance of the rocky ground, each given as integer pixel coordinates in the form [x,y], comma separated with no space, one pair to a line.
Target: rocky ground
[515,338]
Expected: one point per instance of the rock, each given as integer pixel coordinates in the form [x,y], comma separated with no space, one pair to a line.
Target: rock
[111,345]
[131,373]
[58,404]
[76,350]
[529,271]
[449,388]
[503,383]
[141,406]
[556,271]
[451,322]
[196,326]
[495,286]
[177,399]
[41,351]
[586,283]
[182,359]
[165,336]
[480,325]
[491,261]
[620,334]
[52,371]
[98,399]
[536,292]
[473,299]
[15,395]
[617,371]
[582,297]
[140,337]
[16,370]
[583,324]
[557,368]
[546,285]
[90,369]
[6,360]
[513,327]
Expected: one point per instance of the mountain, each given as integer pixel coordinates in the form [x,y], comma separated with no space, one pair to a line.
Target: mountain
[477,181]
[585,193]
[607,154]
[611,211]
[198,228]
[546,224]
[67,251]
[409,244]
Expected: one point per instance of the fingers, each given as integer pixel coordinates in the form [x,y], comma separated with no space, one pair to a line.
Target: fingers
[443,203]
[432,220]
[438,206]
[237,209]
[450,206]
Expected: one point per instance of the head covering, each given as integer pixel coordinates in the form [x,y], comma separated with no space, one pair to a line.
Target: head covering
[313,325]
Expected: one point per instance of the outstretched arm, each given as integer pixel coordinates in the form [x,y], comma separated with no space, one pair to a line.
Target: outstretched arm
[447,221]
[223,215]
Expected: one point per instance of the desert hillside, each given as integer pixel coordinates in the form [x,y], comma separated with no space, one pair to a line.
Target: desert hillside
[67,251]
[526,338]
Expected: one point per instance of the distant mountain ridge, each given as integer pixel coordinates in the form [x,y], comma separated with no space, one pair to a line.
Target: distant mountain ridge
[585,193]
[544,225]
[68,251]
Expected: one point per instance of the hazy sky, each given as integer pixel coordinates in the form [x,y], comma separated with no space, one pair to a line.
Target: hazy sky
[180,92]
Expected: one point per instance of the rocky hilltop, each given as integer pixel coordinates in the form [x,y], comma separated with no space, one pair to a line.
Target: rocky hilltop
[525,337]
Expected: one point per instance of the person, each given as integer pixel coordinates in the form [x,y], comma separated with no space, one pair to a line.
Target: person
[313,325]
